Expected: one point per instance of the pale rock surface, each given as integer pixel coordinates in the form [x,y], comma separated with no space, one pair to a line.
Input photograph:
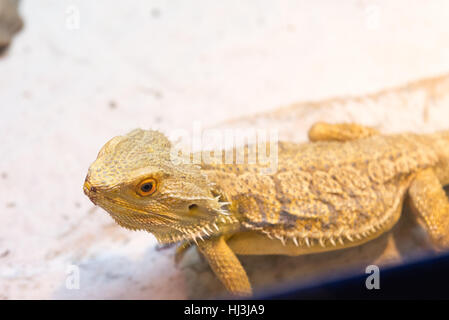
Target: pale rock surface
[81,72]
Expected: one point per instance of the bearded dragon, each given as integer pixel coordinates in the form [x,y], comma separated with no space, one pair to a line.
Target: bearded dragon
[343,188]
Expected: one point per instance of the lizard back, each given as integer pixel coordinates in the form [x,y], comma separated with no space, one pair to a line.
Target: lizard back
[325,190]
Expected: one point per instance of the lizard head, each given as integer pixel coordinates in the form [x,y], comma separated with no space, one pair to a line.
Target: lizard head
[135,179]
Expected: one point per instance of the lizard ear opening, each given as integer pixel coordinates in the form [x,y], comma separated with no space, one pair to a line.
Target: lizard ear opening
[198,211]
[193,207]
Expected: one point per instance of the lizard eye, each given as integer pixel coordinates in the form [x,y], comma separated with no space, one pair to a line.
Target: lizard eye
[147,187]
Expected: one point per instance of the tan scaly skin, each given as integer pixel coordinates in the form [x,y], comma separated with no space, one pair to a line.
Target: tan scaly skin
[344,188]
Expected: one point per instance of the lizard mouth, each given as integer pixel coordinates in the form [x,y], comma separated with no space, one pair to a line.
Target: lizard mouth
[165,228]
[166,232]
[122,211]
[90,191]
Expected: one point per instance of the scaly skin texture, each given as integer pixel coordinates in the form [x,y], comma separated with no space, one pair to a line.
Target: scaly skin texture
[344,188]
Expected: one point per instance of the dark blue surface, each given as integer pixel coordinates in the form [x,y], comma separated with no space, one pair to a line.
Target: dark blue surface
[423,279]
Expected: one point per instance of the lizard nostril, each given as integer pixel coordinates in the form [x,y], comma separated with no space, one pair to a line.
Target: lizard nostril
[88,187]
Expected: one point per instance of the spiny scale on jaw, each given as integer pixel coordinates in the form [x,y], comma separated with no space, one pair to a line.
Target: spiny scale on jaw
[181,232]
[198,232]
[203,231]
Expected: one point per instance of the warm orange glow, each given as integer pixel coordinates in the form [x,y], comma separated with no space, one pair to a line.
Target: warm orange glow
[147,187]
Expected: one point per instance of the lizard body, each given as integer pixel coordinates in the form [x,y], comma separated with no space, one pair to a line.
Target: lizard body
[342,189]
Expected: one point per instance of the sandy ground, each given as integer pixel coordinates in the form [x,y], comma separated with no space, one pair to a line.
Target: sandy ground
[81,72]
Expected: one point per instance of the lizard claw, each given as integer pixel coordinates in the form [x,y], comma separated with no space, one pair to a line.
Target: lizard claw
[181,250]
[163,246]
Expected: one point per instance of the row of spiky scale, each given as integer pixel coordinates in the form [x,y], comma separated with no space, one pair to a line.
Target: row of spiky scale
[339,237]
[200,233]
[309,241]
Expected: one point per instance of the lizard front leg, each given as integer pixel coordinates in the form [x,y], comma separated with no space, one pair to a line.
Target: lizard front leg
[226,266]
[322,131]
[429,201]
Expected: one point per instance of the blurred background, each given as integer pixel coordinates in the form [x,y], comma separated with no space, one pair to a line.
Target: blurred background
[78,73]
